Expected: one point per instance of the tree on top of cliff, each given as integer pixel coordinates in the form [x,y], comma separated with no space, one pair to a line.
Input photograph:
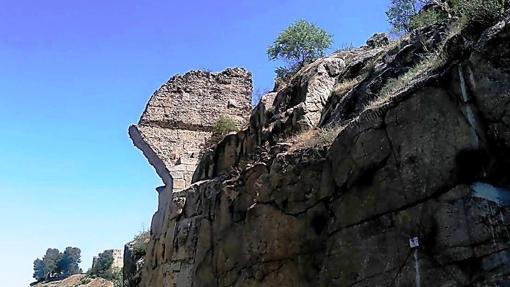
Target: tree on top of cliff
[56,264]
[69,263]
[401,12]
[299,44]
[50,260]
[39,274]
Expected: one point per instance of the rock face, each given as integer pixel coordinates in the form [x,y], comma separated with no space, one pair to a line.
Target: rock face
[134,256]
[179,119]
[413,190]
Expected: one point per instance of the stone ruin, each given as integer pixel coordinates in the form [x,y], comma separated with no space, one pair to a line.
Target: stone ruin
[180,116]
[117,259]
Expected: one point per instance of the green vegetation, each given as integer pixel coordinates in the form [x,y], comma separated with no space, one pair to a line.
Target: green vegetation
[407,15]
[102,265]
[482,11]
[225,125]
[314,138]
[404,15]
[85,280]
[426,18]
[39,272]
[393,86]
[115,276]
[400,14]
[57,265]
[345,86]
[140,242]
[299,44]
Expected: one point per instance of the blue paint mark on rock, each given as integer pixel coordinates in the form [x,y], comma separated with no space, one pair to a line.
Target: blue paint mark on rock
[498,195]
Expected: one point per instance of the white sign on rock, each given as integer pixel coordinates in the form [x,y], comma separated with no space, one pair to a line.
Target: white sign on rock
[414,242]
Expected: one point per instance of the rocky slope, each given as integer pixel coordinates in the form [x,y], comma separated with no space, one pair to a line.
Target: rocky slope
[79,280]
[385,165]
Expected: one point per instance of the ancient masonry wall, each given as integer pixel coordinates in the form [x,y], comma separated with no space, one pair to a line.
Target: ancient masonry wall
[179,119]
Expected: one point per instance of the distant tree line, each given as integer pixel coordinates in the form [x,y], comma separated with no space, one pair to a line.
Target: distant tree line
[57,265]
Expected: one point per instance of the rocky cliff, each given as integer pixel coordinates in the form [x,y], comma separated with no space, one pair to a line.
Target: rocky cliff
[385,165]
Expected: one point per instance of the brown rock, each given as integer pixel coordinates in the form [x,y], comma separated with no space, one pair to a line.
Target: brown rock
[429,162]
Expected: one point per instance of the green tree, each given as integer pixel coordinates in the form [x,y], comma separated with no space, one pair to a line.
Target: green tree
[56,264]
[50,260]
[69,264]
[102,265]
[401,12]
[299,44]
[39,270]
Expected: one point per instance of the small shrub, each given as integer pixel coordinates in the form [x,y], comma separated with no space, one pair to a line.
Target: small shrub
[314,138]
[117,278]
[425,19]
[393,86]
[346,47]
[140,242]
[482,11]
[225,125]
[345,86]
[328,135]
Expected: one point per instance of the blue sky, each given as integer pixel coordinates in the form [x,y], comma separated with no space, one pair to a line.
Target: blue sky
[75,74]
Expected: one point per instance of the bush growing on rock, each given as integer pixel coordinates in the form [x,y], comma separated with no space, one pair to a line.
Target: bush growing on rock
[299,44]
[140,242]
[407,15]
[426,18]
[484,11]
[224,125]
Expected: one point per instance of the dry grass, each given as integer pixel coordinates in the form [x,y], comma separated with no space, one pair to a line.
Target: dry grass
[394,86]
[345,86]
[314,138]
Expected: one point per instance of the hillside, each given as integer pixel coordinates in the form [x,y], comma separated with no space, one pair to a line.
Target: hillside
[79,280]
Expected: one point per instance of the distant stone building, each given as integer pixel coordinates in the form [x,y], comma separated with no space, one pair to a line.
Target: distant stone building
[117,256]
[179,119]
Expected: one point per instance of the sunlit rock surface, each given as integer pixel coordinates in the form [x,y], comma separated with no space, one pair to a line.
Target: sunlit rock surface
[410,191]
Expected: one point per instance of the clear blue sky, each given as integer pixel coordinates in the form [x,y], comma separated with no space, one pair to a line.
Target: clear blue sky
[75,74]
